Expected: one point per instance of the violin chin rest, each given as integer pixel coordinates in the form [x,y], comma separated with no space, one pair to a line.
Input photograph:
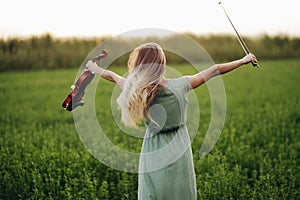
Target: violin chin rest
[70,106]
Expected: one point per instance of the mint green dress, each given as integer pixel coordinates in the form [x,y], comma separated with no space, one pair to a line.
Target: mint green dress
[166,169]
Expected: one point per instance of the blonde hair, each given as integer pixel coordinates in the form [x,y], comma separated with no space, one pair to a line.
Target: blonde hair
[146,74]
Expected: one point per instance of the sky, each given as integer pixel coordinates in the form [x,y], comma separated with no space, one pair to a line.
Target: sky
[89,18]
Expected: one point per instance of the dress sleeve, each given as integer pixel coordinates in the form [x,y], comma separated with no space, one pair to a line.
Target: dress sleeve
[186,86]
[181,85]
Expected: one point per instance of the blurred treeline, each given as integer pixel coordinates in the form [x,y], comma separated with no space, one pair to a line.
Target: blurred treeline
[48,52]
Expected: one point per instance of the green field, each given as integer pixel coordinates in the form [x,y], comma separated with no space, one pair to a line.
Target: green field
[256,157]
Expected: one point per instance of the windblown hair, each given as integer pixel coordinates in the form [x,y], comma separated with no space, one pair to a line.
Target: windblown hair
[146,74]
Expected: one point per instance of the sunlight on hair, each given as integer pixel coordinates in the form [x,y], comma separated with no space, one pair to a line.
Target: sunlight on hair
[146,73]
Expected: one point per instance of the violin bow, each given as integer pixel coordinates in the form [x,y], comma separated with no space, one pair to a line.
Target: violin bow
[74,98]
[240,39]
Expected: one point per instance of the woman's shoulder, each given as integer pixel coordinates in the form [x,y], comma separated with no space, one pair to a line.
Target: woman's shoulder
[179,83]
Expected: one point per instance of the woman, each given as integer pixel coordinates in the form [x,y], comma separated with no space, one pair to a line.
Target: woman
[147,96]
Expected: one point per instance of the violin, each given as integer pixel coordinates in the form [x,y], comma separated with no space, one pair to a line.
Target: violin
[74,98]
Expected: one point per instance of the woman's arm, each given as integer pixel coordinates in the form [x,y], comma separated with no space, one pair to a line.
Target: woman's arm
[218,69]
[106,74]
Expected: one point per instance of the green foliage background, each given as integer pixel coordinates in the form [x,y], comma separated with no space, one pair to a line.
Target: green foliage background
[42,157]
[48,52]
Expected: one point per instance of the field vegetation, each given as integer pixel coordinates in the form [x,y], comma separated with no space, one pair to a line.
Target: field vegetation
[42,156]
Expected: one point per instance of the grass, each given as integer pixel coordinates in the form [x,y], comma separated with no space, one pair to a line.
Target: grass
[256,157]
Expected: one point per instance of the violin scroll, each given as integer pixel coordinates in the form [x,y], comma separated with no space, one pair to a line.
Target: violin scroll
[103,54]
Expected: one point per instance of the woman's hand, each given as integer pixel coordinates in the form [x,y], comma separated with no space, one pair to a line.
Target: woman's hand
[106,74]
[218,69]
[91,66]
[250,58]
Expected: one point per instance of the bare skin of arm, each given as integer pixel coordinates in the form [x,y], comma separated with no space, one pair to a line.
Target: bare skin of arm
[106,74]
[219,69]
[195,80]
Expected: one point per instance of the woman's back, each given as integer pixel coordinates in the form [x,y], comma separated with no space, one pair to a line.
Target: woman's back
[166,158]
[168,108]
